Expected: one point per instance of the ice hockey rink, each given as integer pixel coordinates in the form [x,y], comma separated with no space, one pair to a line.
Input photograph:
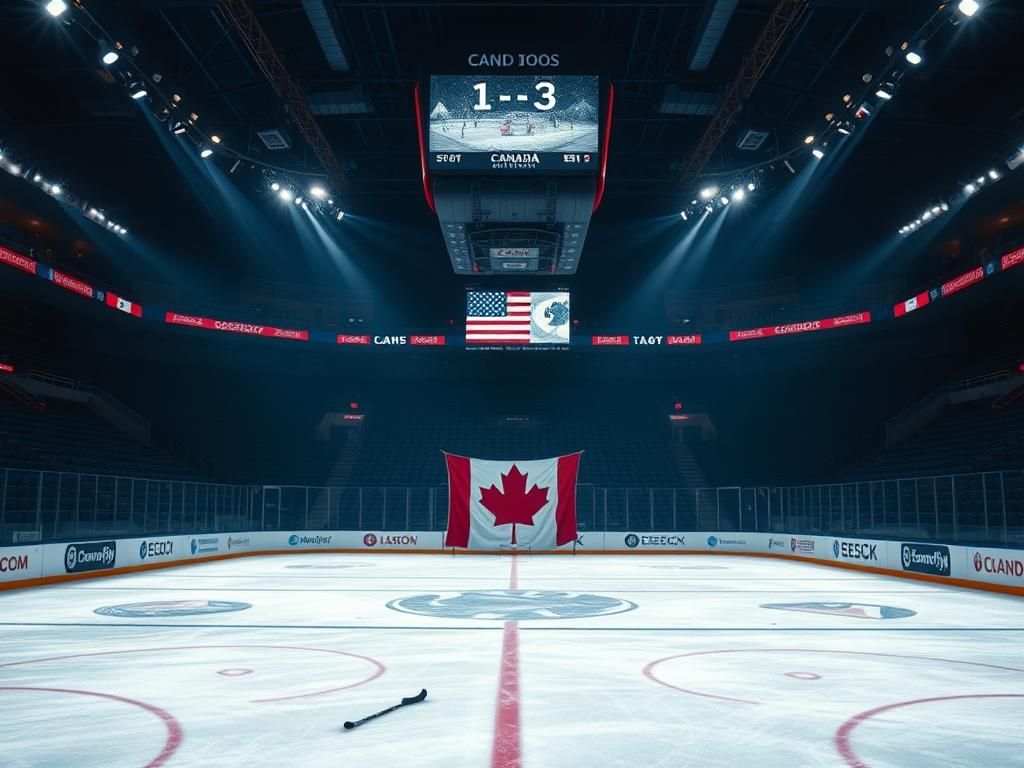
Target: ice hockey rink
[529,661]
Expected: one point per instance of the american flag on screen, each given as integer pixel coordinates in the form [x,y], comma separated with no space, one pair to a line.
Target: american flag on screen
[498,317]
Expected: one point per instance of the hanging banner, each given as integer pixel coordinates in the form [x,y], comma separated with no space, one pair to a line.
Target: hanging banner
[858,318]
[249,329]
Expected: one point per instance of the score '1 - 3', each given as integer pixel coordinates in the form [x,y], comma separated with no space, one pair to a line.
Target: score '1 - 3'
[547,97]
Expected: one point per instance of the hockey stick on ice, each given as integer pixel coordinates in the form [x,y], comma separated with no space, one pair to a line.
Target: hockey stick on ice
[349,725]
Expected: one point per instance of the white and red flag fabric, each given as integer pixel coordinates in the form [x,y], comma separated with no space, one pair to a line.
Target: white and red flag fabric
[528,503]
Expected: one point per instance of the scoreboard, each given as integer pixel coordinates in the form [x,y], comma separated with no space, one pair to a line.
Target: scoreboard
[545,122]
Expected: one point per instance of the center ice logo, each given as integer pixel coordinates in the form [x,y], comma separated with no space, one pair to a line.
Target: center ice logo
[511,605]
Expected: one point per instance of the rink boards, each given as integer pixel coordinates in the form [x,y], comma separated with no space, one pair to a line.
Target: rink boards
[999,569]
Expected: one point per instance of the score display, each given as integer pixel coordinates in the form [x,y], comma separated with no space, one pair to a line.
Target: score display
[514,122]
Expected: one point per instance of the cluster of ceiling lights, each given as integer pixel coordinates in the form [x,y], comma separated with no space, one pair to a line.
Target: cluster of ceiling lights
[710,198]
[842,121]
[967,191]
[57,191]
[172,112]
[316,198]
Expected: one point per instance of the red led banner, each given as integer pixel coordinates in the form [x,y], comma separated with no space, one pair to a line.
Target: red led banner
[345,339]
[914,302]
[427,341]
[1013,258]
[609,341]
[684,340]
[6,368]
[249,329]
[961,282]
[858,318]
[70,283]
[17,261]
[128,307]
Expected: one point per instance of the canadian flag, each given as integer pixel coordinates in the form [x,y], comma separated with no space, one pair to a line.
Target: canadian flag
[529,503]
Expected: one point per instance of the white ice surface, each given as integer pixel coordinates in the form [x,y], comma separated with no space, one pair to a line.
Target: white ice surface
[765,688]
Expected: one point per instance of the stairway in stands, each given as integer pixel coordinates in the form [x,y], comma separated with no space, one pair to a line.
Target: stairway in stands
[686,464]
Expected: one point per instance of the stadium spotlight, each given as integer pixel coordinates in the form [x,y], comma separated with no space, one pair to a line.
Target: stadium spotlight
[298,201]
[789,167]
[968,7]
[981,181]
[138,91]
[885,91]
[708,208]
[179,128]
[944,207]
[215,139]
[340,216]
[751,187]
[844,128]
[683,214]
[708,192]
[56,7]
[109,56]
[55,190]
[926,216]
[205,152]
[37,178]
[286,195]
[738,195]
[970,189]
[809,139]
[993,174]
[818,152]
[914,57]
[723,200]
[936,210]
[318,192]
[275,186]
[14,168]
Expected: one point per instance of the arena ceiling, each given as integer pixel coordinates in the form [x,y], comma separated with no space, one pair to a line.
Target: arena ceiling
[669,68]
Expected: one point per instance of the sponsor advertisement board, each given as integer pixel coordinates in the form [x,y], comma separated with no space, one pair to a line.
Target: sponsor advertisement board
[932,559]
[860,551]
[203,546]
[650,540]
[825,324]
[998,566]
[81,557]
[393,540]
[248,329]
[19,563]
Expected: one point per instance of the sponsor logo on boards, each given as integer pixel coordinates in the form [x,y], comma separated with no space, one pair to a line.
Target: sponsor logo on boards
[1004,566]
[295,539]
[13,563]
[925,558]
[155,549]
[855,550]
[801,545]
[370,540]
[90,556]
[205,545]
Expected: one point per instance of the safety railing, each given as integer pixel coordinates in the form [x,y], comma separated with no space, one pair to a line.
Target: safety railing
[981,508]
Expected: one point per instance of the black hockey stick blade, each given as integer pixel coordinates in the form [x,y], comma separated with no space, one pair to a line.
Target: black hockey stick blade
[349,725]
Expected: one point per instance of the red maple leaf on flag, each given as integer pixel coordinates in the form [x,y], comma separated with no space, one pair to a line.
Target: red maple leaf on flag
[513,504]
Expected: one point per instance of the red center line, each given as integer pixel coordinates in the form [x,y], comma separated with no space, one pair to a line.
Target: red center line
[507,749]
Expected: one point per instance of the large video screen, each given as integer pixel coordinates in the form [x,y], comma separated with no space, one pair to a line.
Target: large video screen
[507,318]
[514,122]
